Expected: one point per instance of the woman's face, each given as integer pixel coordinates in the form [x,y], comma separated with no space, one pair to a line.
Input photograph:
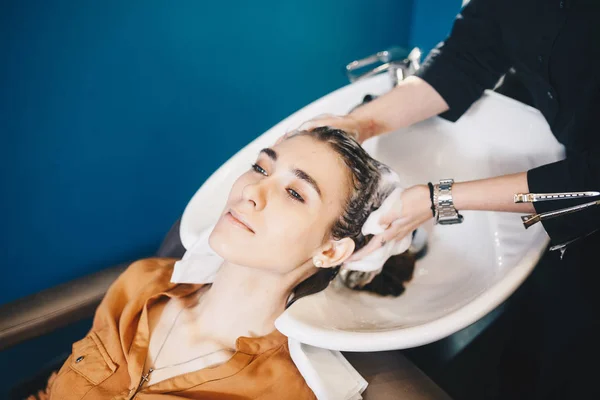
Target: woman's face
[279,213]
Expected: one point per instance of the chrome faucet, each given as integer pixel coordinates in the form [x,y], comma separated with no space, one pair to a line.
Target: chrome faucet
[394,61]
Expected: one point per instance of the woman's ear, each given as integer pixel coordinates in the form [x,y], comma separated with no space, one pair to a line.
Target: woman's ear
[334,253]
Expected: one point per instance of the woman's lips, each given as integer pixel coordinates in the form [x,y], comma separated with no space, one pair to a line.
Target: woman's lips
[237,220]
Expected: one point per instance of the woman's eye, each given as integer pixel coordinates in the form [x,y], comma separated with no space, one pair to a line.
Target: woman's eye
[259,169]
[294,195]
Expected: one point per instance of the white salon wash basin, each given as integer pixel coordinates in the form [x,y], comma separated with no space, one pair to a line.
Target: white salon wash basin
[469,268]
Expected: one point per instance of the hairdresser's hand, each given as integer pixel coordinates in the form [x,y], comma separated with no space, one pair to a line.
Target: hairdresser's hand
[347,123]
[412,209]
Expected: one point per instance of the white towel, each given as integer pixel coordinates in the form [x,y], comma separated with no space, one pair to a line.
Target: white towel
[390,183]
[329,375]
[375,260]
[198,264]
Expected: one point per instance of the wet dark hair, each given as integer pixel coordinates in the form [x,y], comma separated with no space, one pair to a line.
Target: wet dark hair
[366,195]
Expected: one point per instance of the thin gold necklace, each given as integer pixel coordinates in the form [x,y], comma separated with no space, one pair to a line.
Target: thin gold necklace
[146,378]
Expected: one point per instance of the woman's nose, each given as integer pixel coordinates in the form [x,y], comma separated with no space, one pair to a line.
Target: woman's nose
[256,194]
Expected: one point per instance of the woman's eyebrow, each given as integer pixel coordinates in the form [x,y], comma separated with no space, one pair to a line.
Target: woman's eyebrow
[272,154]
[308,179]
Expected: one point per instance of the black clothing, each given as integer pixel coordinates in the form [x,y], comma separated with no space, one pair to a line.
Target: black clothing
[546,344]
[549,54]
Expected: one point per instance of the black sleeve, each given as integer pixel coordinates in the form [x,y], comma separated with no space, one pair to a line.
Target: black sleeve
[470,60]
[579,171]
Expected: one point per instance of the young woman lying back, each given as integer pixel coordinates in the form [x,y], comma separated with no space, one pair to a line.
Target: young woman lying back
[290,221]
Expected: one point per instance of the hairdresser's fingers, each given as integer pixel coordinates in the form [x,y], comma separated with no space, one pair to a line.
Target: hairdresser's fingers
[373,245]
[319,120]
[393,215]
[376,243]
[396,231]
[414,204]
[346,123]
[401,207]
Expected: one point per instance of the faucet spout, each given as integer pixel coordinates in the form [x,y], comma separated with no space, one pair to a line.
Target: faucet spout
[395,61]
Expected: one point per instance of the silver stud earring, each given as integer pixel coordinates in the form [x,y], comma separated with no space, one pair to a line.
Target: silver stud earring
[318,263]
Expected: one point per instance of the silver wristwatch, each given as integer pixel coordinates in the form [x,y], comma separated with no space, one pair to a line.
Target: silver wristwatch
[446,214]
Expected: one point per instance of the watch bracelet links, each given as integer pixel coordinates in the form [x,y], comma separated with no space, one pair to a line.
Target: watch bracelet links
[446,209]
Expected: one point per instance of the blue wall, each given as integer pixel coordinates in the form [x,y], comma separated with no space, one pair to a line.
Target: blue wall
[431,22]
[112,113]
